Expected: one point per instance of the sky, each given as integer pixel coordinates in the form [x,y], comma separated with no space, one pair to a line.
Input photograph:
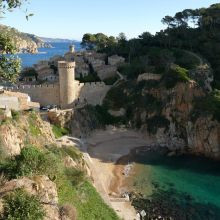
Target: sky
[73,18]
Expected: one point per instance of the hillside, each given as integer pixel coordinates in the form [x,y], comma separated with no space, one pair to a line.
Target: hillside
[43,178]
[25,43]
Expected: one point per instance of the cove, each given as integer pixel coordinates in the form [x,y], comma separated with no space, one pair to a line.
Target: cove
[178,185]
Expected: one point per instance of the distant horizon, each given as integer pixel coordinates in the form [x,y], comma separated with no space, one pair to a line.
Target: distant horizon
[72,19]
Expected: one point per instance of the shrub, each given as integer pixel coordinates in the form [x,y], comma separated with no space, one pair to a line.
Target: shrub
[91,77]
[34,129]
[136,67]
[208,105]
[111,80]
[15,115]
[64,151]
[20,205]
[104,117]
[185,59]
[174,75]
[75,176]
[2,151]
[31,162]
[59,132]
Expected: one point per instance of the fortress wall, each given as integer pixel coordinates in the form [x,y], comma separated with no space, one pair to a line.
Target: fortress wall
[149,76]
[93,93]
[44,94]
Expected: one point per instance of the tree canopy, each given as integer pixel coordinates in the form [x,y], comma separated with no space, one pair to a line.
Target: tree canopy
[9,64]
[194,30]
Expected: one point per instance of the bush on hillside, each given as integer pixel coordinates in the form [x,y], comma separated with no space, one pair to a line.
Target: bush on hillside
[59,132]
[64,151]
[208,105]
[111,80]
[136,67]
[33,127]
[30,162]
[174,75]
[185,59]
[19,205]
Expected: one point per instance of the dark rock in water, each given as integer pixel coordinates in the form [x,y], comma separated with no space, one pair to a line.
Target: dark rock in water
[175,205]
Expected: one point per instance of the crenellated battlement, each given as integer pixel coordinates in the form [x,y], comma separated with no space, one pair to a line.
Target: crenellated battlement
[67,91]
[66,65]
[92,84]
[20,87]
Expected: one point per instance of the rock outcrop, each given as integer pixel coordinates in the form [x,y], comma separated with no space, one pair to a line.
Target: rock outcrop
[40,186]
[25,43]
[199,136]
[27,127]
[80,121]
[168,116]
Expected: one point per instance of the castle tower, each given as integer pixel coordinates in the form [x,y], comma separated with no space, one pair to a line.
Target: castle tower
[67,82]
[72,48]
[69,56]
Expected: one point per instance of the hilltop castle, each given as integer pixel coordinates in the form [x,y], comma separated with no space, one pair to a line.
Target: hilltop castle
[67,92]
[62,88]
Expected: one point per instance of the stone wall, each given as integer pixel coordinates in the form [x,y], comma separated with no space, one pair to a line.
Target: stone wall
[148,76]
[44,94]
[91,93]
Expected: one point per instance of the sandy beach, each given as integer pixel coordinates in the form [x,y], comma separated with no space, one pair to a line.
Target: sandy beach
[107,150]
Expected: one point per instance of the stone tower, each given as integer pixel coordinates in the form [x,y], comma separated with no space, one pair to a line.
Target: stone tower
[69,56]
[72,49]
[67,83]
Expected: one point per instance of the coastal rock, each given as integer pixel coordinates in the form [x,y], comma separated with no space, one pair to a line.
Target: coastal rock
[13,136]
[39,186]
[174,126]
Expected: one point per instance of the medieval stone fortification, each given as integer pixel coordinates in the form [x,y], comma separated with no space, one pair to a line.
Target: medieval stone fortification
[67,92]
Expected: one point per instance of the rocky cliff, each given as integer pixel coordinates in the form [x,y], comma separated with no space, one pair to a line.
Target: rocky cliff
[23,128]
[181,116]
[25,43]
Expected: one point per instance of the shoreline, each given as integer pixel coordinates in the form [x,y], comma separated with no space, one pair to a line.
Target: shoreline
[108,151]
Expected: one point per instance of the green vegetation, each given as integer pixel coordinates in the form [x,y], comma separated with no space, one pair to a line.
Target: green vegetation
[91,77]
[174,75]
[28,72]
[10,65]
[85,198]
[185,59]
[33,127]
[64,151]
[135,67]
[30,162]
[97,41]
[72,185]
[111,80]
[130,94]
[171,45]
[59,132]
[20,205]
[103,117]
[208,105]
[2,151]
[15,115]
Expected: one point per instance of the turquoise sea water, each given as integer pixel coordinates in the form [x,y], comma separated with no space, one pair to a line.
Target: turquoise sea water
[186,176]
[45,53]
